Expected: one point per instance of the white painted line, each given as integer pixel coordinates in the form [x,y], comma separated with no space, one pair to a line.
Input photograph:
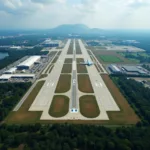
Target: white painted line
[52,84]
[47,84]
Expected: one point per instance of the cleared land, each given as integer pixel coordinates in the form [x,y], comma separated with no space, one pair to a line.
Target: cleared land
[59,106]
[84,84]
[51,68]
[110,58]
[64,84]
[127,114]
[55,59]
[67,68]
[81,68]
[88,106]
[68,60]
[23,115]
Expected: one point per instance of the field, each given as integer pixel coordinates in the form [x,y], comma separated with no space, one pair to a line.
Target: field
[59,106]
[68,60]
[81,68]
[79,60]
[55,59]
[110,58]
[23,115]
[64,84]
[43,76]
[88,106]
[67,68]
[51,68]
[84,84]
[127,114]
[70,50]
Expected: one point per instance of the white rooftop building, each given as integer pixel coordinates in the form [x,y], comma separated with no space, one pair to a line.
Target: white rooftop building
[28,63]
[11,70]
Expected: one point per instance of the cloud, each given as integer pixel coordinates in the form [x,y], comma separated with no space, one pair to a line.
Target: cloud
[95,13]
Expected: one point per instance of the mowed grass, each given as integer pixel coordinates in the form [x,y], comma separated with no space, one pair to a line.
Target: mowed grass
[84,84]
[81,68]
[68,60]
[43,76]
[23,115]
[59,106]
[63,84]
[127,114]
[110,58]
[67,68]
[88,106]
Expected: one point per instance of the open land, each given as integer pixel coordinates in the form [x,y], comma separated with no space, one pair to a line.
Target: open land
[111,59]
[68,60]
[64,84]
[81,68]
[84,84]
[88,106]
[67,68]
[59,106]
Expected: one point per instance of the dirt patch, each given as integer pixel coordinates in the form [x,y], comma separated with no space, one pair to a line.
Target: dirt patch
[127,114]
[84,84]
[64,84]
[67,68]
[68,60]
[88,106]
[81,68]
[51,68]
[59,106]
[55,59]
[23,115]
[78,49]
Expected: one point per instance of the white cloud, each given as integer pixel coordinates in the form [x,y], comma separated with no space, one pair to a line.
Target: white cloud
[95,13]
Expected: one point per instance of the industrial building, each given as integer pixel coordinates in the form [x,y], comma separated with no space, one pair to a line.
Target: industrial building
[134,69]
[114,69]
[28,63]
[11,70]
[50,43]
[7,77]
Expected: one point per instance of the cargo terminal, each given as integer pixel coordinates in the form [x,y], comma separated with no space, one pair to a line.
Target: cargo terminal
[129,70]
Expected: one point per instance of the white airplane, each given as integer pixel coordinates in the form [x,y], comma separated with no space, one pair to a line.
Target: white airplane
[88,63]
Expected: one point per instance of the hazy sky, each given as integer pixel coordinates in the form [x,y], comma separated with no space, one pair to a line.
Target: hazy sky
[94,13]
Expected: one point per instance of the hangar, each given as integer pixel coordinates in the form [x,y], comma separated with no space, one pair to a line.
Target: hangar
[7,77]
[28,63]
[11,70]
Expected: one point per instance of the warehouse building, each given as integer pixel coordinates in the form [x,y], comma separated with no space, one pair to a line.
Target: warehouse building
[28,63]
[114,69]
[8,77]
[50,43]
[134,69]
[11,70]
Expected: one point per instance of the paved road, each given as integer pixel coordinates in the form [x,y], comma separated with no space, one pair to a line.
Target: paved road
[74,82]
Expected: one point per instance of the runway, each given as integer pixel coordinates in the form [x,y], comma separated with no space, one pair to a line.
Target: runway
[74,108]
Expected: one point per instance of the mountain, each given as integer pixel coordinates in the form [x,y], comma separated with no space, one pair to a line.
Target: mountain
[74,29]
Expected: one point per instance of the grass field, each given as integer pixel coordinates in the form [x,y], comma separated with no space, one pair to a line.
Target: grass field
[67,68]
[84,84]
[55,59]
[51,68]
[127,114]
[68,60]
[23,115]
[81,68]
[79,60]
[110,58]
[59,106]
[43,76]
[64,84]
[70,49]
[88,106]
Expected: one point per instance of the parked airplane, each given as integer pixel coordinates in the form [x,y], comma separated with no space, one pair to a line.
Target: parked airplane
[88,63]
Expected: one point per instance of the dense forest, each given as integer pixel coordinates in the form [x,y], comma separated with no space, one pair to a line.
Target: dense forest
[138,97]
[15,55]
[73,137]
[10,94]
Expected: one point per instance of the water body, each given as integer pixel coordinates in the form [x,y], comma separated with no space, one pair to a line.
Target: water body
[3,55]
